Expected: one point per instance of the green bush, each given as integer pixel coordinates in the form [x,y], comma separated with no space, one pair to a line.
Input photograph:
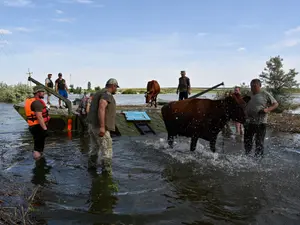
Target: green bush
[14,93]
[129,91]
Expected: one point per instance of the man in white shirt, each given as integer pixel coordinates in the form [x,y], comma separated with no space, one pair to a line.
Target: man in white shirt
[49,84]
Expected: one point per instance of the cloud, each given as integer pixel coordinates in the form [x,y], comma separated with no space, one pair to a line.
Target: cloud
[292,31]
[241,49]
[64,20]
[3,43]
[84,1]
[201,34]
[23,29]
[77,1]
[248,26]
[18,3]
[287,43]
[3,31]
[59,11]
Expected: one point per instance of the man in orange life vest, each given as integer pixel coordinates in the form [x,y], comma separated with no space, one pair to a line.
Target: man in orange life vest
[37,119]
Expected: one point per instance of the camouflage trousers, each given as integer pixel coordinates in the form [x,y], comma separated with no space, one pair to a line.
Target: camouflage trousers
[101,151]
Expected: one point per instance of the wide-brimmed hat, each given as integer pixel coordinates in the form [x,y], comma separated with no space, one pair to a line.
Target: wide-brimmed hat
[38,88]
[112,81]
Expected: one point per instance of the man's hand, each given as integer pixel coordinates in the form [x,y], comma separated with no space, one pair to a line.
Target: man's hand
[266,110]
[101,131]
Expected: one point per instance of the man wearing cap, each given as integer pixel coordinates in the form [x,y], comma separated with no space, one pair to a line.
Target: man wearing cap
[101,119]
[184,86]
[49,84]
[37,118]
[61,88]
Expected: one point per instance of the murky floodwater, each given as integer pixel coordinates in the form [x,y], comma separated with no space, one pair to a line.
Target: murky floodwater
[152,184]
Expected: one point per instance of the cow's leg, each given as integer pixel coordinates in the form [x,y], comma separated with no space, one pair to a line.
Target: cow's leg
[170,140]
[193,145]
[212,144]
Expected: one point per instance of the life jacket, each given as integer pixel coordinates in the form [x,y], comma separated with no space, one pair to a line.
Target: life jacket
[50,83]
[30,115]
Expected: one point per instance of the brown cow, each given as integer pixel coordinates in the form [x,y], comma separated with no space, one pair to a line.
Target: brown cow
[202,118]
[153,89]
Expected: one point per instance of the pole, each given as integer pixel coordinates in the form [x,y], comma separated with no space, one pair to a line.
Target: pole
[29,75]
[207,90]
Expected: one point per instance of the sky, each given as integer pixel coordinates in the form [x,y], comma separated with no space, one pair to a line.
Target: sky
[136,41]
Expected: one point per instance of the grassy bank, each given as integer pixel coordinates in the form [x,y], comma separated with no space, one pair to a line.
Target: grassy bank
[14,93]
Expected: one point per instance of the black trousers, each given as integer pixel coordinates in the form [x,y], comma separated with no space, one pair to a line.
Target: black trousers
[39,137]
[259,132]
[183,95]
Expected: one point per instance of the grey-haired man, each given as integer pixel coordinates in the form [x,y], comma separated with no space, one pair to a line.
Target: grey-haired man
[101,119]
[257,109]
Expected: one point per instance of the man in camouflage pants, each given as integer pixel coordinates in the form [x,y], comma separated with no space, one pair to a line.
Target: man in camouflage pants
[101,119]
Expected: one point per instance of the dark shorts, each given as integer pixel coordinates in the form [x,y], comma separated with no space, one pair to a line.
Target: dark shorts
[38,137]
[63,93]
[183,95]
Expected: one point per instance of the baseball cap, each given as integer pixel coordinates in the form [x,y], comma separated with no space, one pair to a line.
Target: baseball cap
[112,81]
[38,88]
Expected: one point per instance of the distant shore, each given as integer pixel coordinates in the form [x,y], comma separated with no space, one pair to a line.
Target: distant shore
[171,90]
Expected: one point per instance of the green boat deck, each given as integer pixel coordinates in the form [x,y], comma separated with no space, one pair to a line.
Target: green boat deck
[60,117]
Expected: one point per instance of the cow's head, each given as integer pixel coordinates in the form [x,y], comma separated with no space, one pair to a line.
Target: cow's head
[236,107]
[148,96]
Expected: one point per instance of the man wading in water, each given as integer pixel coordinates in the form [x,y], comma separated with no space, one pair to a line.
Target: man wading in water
[37,119]
[184,86]
[260,104]
[101,119]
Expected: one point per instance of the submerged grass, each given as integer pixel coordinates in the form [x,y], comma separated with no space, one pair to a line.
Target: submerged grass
[20,211]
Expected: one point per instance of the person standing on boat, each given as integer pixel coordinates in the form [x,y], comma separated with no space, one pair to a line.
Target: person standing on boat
[37,118]
[184,86]
[238,126]
[61,88]
[260,104]
[101,119]
[49,84]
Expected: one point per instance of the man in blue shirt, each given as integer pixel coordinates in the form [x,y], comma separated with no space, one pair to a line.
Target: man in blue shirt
[61,88]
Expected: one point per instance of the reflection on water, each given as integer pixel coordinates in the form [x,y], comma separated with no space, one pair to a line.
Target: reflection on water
[40,171]
[152,184]
[102,198]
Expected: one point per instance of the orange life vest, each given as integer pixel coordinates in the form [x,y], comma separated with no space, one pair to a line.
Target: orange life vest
[30,115]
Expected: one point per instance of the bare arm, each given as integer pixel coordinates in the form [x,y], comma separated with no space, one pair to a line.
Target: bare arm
[41,120]
[189,85]
[272,107]
[273,104]
[66,87]
[101,112]
[56,87]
